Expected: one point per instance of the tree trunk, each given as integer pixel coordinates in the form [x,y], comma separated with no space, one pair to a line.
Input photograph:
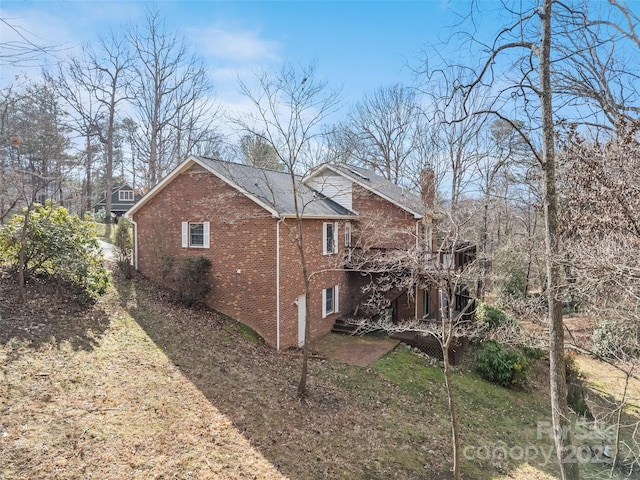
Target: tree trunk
[558,380]
[302,385]
[453,412]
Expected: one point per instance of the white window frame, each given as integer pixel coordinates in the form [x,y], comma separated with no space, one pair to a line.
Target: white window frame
[125,198]
[335,291]
[325,235]
[347,235]
[186,234]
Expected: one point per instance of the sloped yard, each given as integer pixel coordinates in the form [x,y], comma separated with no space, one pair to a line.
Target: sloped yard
[138,387]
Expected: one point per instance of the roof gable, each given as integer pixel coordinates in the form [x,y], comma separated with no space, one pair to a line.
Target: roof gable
[376,184]
[272,190]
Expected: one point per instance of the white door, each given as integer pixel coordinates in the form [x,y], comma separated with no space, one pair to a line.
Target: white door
[302,319]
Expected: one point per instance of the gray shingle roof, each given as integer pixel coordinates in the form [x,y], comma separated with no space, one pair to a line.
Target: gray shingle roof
[275,189]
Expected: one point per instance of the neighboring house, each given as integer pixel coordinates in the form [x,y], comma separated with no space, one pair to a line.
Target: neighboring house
[122,199]
[243,218]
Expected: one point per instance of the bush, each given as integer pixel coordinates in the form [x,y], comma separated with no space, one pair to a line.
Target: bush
[56,244]
[501,365]
[493,316]
[514,285]
[188,278]
[575,388]
[124,246]
[615,340]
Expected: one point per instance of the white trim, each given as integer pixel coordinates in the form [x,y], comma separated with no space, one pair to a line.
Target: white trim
[335,292]
[324,302]
[183,167]
[278,285]
[129,194]
[185,234]
[320,217]
[206,230]
[334,249]
[347,234]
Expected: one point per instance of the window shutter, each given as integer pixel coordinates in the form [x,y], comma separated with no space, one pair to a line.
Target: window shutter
[324,303]
[205,228]
[324,240]
[335,237]
[336,296]
[185,234]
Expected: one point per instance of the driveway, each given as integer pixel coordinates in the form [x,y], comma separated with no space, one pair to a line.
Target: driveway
[107,250]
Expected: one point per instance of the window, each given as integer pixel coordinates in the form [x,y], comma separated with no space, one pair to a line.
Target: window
[329,238]
[347,235]
[125,195]
[329,301]
[195,234]
[425,303]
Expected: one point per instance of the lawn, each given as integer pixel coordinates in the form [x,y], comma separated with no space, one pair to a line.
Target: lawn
[135,386]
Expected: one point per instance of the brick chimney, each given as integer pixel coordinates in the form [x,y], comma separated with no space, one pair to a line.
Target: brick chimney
[428,187]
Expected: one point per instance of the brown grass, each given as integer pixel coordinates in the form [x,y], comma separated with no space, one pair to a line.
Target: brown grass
[137,387]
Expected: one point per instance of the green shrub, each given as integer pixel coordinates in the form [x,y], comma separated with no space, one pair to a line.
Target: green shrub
[124,246]
[515,285]
[504,366]
[575,388]
[56,244]
[614,340]
[492,316]
[189,279]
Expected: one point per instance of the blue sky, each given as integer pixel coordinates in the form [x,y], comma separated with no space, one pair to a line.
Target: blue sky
[358,45]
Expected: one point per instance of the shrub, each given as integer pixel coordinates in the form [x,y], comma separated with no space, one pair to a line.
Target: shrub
[124,246]
[56,244]
[506,367]
[575,388]
[614,340]
[493,316]
[188,278]
[515,285]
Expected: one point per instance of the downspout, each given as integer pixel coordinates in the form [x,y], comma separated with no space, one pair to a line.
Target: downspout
[278,284]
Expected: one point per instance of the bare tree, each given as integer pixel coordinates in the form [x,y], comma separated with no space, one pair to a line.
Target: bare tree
[20,48]
[384,133]
[533,85]
[289,107]
[442,269]
[171,90]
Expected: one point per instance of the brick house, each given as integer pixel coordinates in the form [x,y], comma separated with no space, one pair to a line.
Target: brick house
[244,218]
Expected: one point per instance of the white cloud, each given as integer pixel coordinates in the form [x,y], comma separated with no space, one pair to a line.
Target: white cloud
[237,45]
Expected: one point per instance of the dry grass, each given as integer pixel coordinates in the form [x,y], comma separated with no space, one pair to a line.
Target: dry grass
[137,387]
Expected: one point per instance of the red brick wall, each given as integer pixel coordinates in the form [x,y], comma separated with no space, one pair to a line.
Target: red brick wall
[242,245]
[243,252]
[381,224]
[291,283]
